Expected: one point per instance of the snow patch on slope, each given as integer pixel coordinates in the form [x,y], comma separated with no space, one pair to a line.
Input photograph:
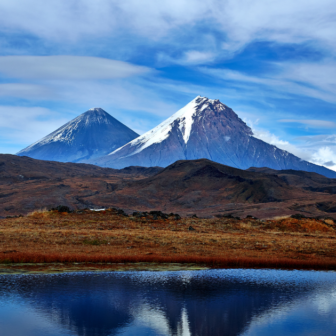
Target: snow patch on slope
[184,118]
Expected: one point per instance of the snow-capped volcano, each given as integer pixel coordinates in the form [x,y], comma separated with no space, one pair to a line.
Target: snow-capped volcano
[204,128]
[182,122]
[92,134]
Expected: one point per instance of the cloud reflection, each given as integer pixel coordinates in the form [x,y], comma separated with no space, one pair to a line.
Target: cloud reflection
[207,303]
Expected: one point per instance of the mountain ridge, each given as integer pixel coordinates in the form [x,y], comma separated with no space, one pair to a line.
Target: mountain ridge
[187,186]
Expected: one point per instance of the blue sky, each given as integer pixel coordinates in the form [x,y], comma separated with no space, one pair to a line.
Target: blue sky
[272,62]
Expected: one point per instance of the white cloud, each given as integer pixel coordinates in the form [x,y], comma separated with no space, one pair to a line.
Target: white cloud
[325,156]
[286,21]
[191,57]
[321,140]
[282,144]
[139,96]
[61,20]
[238,22]
[26,91]
[67,67]
[286,80]
[21,126]
[311,123]
[311,149]
[74,19]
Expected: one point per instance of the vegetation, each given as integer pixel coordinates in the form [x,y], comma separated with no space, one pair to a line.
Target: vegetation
[113,237]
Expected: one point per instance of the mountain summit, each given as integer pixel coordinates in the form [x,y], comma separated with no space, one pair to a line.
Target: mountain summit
[205,128]
[92,134]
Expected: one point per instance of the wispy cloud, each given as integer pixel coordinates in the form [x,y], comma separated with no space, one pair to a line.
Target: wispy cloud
[325,156]
[311,123]
[24,125]
[191,57]
[306,79]
[67,67]
[27,91]
[236,23]
[275,140]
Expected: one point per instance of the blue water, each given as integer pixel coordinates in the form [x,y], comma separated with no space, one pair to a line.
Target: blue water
[211,302]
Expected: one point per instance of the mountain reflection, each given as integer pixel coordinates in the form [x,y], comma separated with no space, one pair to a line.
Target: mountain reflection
[146,303]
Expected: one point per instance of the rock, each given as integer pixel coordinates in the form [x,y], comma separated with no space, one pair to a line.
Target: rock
[298,216]
[62,208]
[191,228]
[139,214]
[159,214]
[329,221]
[122,212]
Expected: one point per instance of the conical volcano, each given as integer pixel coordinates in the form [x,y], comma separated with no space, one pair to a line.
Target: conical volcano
[92,134]
[205,128]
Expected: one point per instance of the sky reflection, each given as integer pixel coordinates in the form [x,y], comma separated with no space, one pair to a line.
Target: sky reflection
[214,302]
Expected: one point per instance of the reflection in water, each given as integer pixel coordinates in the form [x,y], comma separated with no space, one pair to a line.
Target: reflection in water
[213,302]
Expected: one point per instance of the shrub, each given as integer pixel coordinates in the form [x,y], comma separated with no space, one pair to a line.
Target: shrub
[40,212]
[62,208]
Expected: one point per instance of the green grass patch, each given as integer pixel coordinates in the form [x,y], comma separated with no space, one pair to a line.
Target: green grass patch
[95,242]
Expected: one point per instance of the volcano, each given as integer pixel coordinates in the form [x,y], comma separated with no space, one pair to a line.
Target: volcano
[92,134]
[205,128]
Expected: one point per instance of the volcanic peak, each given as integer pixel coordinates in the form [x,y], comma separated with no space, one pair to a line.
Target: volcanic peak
[184,120]
[92,134]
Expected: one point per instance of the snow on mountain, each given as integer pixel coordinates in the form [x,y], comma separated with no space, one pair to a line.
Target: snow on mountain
[92,134]
[161,132]
[184,118]
[204,128]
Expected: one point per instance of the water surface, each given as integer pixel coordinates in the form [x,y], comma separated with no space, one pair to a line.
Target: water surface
[209,302]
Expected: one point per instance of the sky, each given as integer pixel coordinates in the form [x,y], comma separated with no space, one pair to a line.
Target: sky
[272,62]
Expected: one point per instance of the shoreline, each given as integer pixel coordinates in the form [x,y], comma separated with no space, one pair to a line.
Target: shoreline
[103,262]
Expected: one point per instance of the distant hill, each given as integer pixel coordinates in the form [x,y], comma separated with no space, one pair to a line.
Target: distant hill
[205,128]
[187,186]
[92,134]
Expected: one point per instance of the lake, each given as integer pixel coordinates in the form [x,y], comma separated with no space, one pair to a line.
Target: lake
[207,302]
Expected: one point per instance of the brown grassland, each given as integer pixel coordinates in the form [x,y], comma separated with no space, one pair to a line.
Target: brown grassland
[108,237]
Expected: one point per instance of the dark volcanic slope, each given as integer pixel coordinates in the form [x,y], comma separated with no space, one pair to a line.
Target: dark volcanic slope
[90,135]
[204,183]
[198,186]
[15,168]
[27,184]
[208,129]
[301,179]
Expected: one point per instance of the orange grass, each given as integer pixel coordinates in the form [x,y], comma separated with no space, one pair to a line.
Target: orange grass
[216,262]
[108,237]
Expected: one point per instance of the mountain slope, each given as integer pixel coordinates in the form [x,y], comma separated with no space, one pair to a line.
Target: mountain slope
[207,187]
[205,128]
[188,186]
[92,134]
